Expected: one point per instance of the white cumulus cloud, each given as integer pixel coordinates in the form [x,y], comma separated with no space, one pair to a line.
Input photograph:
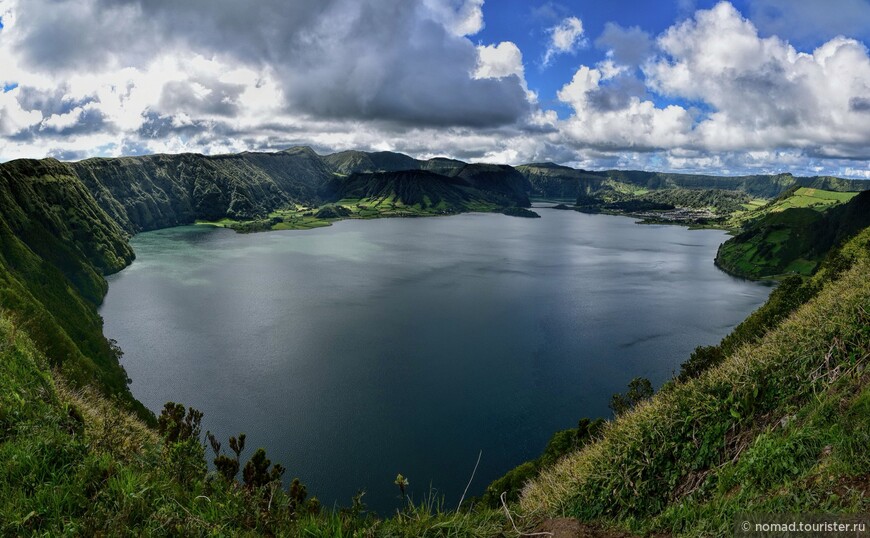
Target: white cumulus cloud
[565,37]
[735,93]
[710,94]
[462,17]
[498,61]
[764,93]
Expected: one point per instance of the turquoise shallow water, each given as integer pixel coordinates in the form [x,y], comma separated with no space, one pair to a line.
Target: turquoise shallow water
[369,348]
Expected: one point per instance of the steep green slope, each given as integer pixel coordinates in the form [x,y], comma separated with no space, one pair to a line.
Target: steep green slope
[66,455]
[351,162]
[796,196]
[721,202]
[794,239]
[158,191]
[782,425]
[55,245]
[553,181]
[421,189]
[502,180]
[443,166]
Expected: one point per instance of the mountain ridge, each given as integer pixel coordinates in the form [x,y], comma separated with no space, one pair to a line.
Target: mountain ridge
[153,191]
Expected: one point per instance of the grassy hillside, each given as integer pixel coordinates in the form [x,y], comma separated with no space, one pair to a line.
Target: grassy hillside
[794,233]
[804,197]
[502,180]
[781,425]
[426,191]
[352,162]
[55,245]
[443,166]
[553,181]
[157,191]
[247,189]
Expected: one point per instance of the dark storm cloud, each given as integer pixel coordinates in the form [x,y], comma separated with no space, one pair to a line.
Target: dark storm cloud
[630,46]
[49,102]
[379,59]
[76,34]
[65,35]
[220,99]
[854,153]
[425,80]
[159,127]
[89,122]
[859,104]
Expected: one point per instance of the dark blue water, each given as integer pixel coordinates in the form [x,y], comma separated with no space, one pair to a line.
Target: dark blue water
[371,348]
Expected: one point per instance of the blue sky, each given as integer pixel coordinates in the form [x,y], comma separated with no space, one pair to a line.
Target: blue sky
[734,87]
[525,23]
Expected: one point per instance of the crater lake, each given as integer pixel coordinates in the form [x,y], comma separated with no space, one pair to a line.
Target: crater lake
[375,347]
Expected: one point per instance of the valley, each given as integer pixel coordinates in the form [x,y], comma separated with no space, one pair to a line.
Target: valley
[66,226]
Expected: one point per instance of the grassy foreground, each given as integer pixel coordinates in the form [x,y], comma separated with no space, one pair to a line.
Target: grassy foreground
[782,425]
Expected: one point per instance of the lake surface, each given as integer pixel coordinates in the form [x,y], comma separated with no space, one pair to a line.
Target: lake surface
[371,348]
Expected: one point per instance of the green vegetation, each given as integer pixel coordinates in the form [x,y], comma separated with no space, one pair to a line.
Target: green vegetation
[332,212]
[294,217]
[779,424]
[74,463]
[773,419]
[792,237]
[244,191]
[158,191]
[352,162]
[55,245]
[428,192]
[724,202]
[717,201]
[555,182]
[562,443]
[639,389]
[817,199]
